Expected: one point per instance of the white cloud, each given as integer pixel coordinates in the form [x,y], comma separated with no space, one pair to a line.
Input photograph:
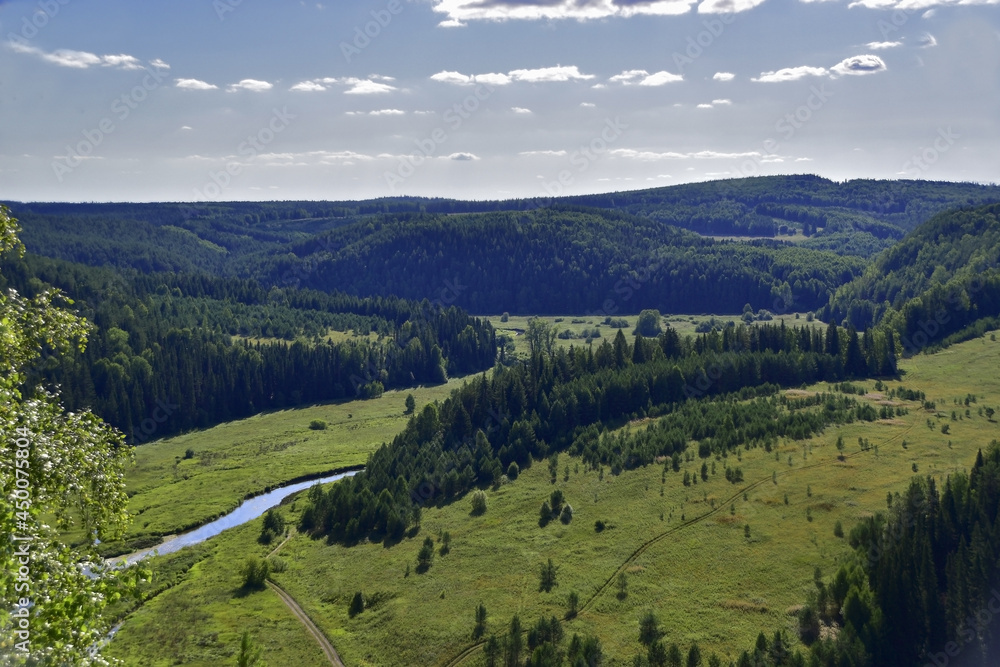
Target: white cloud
[461,11]
[629,76]
[550,74]
[910,6]
[857,65]
[727,6]
[540,75]
[186,127]
[704,106]
[318,157]
[122,61]
[790,74]
[927,40]
[722,102]
[366,87]
[723,76]
[881,46]
[75,59]
[387,112]
[253,85]
[83,59]
[308,87]
[660,79]
[649,156]
[462,157]
[520,110]
[195,84]
[492,79]
[459,79]
[643,78]
[373,85]
[545,153]
[587,105]
[456,78]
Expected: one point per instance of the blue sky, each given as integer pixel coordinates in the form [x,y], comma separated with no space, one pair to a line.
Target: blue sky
[245,99]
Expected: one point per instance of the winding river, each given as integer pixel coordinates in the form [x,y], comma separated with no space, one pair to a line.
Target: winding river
[250,509]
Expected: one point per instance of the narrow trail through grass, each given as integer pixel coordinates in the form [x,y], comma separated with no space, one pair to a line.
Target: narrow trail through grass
[324,643]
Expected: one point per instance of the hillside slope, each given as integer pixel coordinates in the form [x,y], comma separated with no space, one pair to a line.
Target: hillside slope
[859,216]
[561,260]
[942,278]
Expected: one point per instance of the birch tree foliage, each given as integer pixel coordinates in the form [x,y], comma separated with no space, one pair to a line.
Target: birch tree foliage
[59,467]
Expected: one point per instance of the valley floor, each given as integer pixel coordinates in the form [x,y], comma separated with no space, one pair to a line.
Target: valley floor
[683,549]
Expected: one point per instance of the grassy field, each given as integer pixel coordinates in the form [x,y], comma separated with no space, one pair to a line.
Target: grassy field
[170,493]
[705,580]
[199,620]
[684,325]
[332,336]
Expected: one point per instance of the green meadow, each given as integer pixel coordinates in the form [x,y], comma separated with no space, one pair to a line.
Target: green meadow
[170,491]
[684,550]
[580,325]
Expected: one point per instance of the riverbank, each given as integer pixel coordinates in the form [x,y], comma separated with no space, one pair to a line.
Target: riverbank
[251,508]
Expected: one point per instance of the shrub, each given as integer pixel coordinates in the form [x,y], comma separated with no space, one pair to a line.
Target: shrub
[478,503]
[808,625]
[373,389]
[649,628]
[189,453]
[255,572]
[357,605]
[598,526]
[426,555]
[648,323]
[273,526]
[445,543]
[556,500]
[513,471]
[573,604]
[567,514]
[547,576]
[317,425]
[505,317]
[544,513]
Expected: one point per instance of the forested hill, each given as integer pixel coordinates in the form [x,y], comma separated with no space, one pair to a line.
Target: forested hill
[546,260]
[941,279]
[559,261]
[185,341]
[854,217]
[605,254]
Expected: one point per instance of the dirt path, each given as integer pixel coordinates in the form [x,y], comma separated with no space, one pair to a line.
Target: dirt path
[324,643]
